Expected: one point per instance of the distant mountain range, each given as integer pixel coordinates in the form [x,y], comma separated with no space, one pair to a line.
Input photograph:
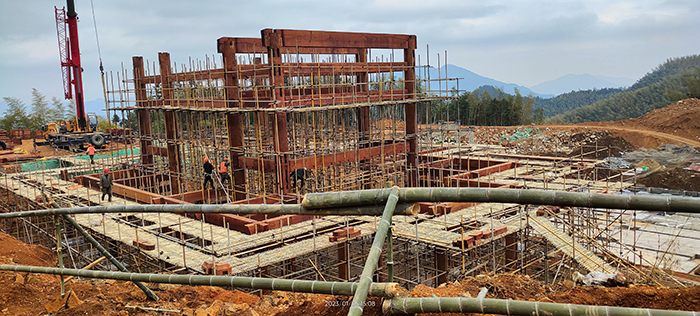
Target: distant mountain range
[469,81]
[573,82]
[676,79]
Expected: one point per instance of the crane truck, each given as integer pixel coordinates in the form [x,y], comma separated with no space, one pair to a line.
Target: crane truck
[81,131]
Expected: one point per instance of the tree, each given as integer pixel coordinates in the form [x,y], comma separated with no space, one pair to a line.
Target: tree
[40,110]
[116,119]
[693,84]
[526,119]
[538,116]
[102,123]
[15,116]
[57,111]
[70,113]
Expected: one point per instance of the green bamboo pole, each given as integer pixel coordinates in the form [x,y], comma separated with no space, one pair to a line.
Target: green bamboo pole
[389,255]
[306,286]
[107,255]
[358,301]
[59,253]
[240,209]
[519,196]
[512,307]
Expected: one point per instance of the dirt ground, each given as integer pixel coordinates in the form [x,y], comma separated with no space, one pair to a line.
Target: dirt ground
[678,124]
[27,294]
[673,178]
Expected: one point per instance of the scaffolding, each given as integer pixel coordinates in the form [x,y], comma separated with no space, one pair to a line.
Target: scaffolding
[299,112]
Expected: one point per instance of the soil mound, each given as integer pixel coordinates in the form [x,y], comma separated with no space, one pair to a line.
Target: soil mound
[13,251]
[681,118]
[674,179]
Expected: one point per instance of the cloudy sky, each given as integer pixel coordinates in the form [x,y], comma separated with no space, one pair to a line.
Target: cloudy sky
[524,42]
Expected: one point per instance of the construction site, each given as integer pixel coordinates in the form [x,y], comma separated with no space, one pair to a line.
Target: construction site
[309,116]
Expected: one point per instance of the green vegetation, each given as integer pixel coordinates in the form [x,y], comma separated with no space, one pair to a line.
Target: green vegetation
[572,100]
[16,115]
[676,79]
[480,107]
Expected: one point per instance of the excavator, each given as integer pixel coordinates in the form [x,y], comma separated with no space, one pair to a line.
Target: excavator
[74,134]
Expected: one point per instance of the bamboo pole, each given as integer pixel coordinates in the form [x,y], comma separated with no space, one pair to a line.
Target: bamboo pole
[109,256]
[306,286]
[240,209]
[57,224]
[513,307]
[519,196]
[375,252]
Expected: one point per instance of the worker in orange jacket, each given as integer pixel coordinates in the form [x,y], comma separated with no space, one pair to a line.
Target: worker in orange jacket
[223,172]
[91,153]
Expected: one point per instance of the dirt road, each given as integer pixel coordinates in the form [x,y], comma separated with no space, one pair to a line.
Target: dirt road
[638,137]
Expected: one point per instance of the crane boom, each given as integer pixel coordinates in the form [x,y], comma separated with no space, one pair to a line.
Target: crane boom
[69,51]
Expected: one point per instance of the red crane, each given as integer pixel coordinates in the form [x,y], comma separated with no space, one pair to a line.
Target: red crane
[69,51]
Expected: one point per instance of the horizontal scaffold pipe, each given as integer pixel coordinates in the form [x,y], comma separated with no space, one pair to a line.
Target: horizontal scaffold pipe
[306,286]
[537,197]
[513,307]
[238,209]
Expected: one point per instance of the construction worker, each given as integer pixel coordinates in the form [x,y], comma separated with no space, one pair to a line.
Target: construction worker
[106,184]
[208,169]
[223,172]
[300,175]
[91,153]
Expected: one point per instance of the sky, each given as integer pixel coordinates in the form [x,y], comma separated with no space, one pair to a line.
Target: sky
[524,42]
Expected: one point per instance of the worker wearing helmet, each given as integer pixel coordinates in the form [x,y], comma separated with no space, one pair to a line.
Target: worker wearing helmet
[91,153]
[223,172]
[106,184]
[208,169]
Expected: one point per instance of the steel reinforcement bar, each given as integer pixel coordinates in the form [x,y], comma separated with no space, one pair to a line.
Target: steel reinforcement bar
[537,197]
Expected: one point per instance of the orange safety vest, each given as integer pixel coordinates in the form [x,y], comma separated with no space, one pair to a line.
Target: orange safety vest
[222,167]
[91,150]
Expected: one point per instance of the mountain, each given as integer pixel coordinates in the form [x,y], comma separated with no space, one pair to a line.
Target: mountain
[573,82]
[677,78]
[469,81]
[97,106]
[572,100]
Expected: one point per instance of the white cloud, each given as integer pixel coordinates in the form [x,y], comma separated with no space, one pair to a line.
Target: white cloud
[526,42]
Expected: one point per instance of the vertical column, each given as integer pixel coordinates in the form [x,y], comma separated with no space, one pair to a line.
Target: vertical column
[262,115]
[363,121]
[511,250]
[343,267]
[441,266]
[170,123]
[273,42]
[409,74]
[143,114]
[234,122]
